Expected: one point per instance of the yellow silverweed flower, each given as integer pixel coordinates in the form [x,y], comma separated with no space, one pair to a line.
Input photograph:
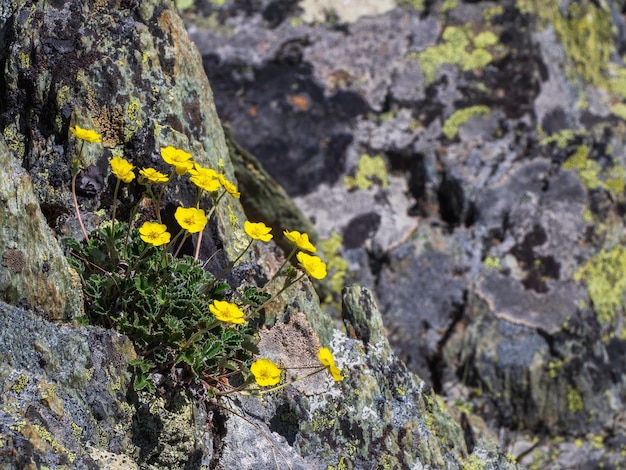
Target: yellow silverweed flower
[199,170]
[191,219]
[122,169]
[228,186]
[328,361]
[204,178]
[301,240]
[313,265]
[154,233]
[258,231]
[153,176]
[265,372]
[226,312]
[86,134]
[178,158]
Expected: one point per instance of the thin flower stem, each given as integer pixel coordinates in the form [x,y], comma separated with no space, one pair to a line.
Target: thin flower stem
[175,255]
[277,273]
[117,187]
[284,288]
[230,266]
[198,242]
[286,384]
[80,220]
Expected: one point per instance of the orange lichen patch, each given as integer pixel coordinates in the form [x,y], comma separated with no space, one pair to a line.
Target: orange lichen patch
[300,102]
[252,111]
[14,260]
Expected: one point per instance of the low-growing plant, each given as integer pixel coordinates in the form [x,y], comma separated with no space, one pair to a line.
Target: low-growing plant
[185,322]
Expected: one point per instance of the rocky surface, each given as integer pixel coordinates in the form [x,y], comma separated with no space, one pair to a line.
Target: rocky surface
[128,69]
[466,161]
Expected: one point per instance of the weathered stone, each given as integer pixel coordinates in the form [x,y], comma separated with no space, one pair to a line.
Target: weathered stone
[34,272]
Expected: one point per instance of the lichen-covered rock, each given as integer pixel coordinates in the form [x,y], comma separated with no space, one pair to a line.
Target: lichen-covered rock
[380,416]
[33,272]
[477,188]
[63,392]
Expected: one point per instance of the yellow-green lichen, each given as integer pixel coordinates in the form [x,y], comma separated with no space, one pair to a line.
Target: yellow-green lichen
[619,110]
[597,442]
[133,118]
[449,5]
[473,462]
[184,4]
[415,4]
[370,170]
[606,283]
[77,431]
[578,160]
[335,264]
[492,262]
[20,383]
[562,138]
[451,126]
[574,400]
[591,174]
[489,13]
[460,47]
[586,32]
[14,139]
[554,368]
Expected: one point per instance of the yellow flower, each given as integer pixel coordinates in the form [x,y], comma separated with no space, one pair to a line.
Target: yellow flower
[228,186]
[258,231]
[153,176]
[178,158]
[86,134]
[204,178]
[122,169]
[226,312]
[301,240]
[313,265]
[328,361]
[191,219]
[154,233]
[265,372]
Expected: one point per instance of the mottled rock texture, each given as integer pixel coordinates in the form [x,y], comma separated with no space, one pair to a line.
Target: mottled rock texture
[128,69]
[465,160]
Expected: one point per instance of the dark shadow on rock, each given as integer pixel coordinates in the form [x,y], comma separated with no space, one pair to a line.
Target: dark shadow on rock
[283,116]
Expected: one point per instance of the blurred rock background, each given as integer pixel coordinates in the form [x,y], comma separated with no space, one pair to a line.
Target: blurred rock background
[465,160]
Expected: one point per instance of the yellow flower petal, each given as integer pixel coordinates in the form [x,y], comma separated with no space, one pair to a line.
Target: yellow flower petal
[258,231]
[154,233]
[122,169]
[328,360]
[265,372]
[178,158]
[313,265]
[227,312]
[301,240]
[87,135]
[153,176]
[191,219]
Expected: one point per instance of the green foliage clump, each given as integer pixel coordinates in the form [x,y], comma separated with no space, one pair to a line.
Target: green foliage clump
[162,303]
[173,310]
